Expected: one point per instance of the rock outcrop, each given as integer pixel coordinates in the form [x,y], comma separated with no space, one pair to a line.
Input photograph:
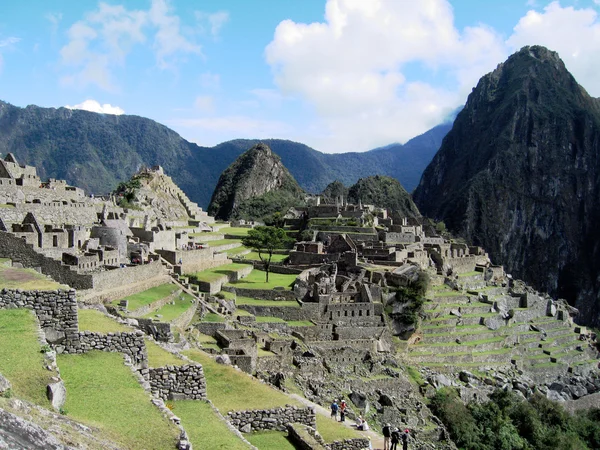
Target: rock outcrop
[519,174]
[255,185]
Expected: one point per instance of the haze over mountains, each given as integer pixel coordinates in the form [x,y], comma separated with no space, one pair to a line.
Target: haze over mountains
[97,151]
[519,174]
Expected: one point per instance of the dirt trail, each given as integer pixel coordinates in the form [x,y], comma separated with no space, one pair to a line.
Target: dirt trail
[376,438]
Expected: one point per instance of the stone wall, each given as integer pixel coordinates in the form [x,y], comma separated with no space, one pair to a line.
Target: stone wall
[263,294]
[282,312]
[128,275]
[195,260]
[131,344]
[92,296]
[20,252]
[349,444]
[344,333]
[272,419]
[184,319]
[58,214]
[177,382]
[158,330]
[56,311]
[210,328]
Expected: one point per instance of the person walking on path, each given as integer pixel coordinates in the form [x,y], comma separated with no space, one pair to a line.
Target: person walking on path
[395,439]
[387,432]
[334,410]
[343,407]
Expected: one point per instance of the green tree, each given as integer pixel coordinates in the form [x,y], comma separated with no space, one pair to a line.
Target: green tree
[265,240]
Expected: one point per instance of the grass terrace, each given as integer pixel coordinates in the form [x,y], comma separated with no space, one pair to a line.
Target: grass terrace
[204,427]
[235,231]
[469,274]
[217,273]
[268,319]
[159,357]
[26,279]
[103,392]
[256,280]
[212,317]
[259,302]
[220,242]
[332,430]
[171,312]
[20,359]
[236,251]
[144,298]
[277,258]
[229,388]
[300,323]
[94,320]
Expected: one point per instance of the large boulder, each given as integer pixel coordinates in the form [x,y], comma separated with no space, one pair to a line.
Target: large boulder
[57,394]
[4,384]
[19,434]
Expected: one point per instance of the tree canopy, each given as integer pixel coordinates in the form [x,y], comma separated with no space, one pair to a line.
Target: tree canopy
[265,240]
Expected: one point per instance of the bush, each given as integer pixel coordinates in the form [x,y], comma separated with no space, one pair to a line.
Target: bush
[507,422]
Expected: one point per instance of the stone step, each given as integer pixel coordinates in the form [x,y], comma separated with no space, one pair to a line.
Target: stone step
[452,299]
[482,345]
[560,331]
[563,339]
[548,325]
[482,358]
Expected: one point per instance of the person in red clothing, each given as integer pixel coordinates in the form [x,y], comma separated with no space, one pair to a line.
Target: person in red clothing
[343,407]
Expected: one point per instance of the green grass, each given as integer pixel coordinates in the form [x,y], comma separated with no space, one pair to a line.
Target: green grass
[265,319]
[300,323]
[20,359]
[256,280]
[220,242]
[415,375]
[136,301]
[235,231]
[104,393]
[159,357]
[169,312]
[253,256]
[26,279]
[260,302]
[232,390]
[448,294]
[217,273]
[236,251]
[270,440]
[212,317]
[331,430]
[204,428]
[470,274]
[94,320]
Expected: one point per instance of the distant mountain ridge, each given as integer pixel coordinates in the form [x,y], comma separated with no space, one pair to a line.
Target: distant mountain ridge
[97,151]
[519,174]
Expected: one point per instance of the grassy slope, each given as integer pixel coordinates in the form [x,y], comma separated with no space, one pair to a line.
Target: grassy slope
[253,256]
[204,428]
[159,357]
[217,272]
[26,279]
[93,320]
[229,388]
[256,280]
[104,393]
[331,430]
[270,440]
[170,312]
[20,359]
[151,295]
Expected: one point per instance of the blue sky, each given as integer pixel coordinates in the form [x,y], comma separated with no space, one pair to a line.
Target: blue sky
[338,75]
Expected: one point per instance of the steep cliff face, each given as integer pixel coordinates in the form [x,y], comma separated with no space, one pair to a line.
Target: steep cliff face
[519,174]
[385,192]
[255,185]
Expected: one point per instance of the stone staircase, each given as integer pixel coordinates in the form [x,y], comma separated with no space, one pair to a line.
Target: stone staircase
[192,209]
[488,327]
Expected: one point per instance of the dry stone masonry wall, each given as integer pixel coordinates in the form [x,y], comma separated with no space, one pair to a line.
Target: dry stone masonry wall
[130,344]
[272,419]
[177,382]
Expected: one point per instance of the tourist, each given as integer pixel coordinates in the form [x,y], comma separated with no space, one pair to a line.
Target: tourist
[361,424]
[395,438]
[387,432]
[343,407]
[405,437]
[334,409]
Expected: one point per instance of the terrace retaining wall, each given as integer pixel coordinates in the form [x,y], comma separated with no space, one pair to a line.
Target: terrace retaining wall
[177,382]
[272,419]
[130,343]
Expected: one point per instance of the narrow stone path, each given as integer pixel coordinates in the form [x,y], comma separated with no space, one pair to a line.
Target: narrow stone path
[376,438]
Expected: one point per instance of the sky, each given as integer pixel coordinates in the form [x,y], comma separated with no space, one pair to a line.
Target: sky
[337,75]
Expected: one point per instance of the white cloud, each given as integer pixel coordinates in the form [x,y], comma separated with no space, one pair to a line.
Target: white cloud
[210,80]
[353,68]
[573,33]
[54,19]
[94,106]
[7,43]
[105,37]
[215,21]
[204,103]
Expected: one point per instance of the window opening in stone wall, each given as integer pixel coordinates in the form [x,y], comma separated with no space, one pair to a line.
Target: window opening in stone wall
[55,241]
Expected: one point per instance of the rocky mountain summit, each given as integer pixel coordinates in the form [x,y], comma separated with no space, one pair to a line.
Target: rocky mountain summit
[518,174]
[382,190]
[256,184]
